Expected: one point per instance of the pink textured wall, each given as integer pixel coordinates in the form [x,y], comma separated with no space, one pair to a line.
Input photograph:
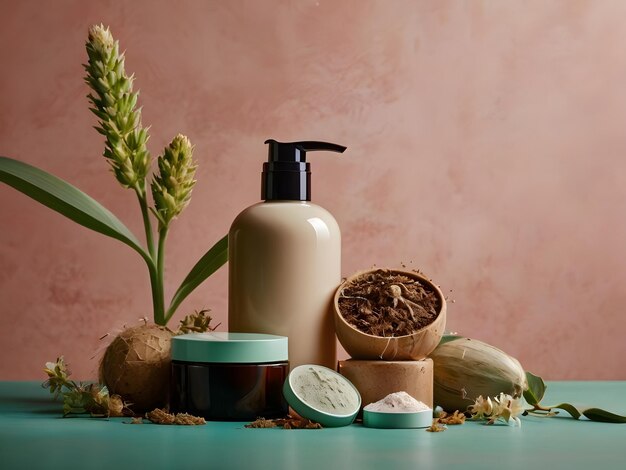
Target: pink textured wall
[486,146]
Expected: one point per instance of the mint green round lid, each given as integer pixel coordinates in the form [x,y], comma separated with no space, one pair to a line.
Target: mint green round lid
[221,347]
[321,394]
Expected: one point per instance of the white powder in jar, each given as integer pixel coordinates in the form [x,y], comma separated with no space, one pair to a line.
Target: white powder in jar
[399,402]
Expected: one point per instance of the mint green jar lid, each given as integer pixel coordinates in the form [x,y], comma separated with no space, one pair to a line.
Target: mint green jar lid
[221,347]
[322,395]
[416,419]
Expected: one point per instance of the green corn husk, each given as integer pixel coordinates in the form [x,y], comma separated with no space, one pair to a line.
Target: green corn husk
[465,369]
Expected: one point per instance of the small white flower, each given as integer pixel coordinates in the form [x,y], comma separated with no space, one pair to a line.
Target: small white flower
[503,407]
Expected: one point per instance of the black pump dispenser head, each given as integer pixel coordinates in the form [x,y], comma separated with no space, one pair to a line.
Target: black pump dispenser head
[286,174]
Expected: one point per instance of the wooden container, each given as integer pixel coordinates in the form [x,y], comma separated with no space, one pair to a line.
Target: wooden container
[413,347]
[376,379]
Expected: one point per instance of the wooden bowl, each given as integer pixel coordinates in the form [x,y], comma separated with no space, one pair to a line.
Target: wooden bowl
[411,347]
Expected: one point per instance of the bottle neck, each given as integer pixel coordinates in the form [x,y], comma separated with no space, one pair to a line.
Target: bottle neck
[286,182]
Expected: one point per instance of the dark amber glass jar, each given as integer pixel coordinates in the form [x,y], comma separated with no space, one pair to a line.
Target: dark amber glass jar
[229,376]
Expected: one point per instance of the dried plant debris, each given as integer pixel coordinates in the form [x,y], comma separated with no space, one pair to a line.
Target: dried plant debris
[443,419]
[262,423]
[455,418]
[116,405]
[159,416]
[82,397]
[385,303]
[185,419]
[295,423]
[197,322]
[436,426]
[286,423]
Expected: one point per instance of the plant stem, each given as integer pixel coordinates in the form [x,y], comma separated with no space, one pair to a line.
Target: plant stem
[539,407]
[160,273]
[156,285]
[156,280]
[143,203]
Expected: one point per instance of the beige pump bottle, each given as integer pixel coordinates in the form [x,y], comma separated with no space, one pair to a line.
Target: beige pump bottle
[285,259]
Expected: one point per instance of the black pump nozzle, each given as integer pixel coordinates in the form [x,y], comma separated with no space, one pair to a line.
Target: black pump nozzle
[286,174]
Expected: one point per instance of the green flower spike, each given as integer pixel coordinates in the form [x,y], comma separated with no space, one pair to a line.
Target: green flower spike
[171,188]
[114,102]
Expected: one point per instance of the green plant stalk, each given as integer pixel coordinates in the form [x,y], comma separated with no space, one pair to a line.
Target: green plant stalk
[158,304]
[155,269]
[156,287]
[159,316]
[145,213]
[156,272]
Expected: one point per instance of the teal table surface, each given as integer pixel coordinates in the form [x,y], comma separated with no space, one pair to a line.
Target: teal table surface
[34,435]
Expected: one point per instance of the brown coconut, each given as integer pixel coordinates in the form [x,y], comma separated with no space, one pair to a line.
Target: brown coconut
[136,365]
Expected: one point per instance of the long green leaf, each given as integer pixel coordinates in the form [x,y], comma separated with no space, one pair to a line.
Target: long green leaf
[571,409]
[597,414]
[536,389]
[208,264]
[66,199]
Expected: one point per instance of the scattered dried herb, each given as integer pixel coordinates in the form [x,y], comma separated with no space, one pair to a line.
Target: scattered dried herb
[159,416]
[436,426]
[295,423]
[442,419]
[455,418]
[386,303]
[185,419]
[262,423]
[289,422]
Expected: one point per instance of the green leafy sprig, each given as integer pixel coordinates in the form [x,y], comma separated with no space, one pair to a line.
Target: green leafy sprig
[535,392]
[79,397]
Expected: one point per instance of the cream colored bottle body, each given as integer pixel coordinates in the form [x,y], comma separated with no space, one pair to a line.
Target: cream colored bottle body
[284,267]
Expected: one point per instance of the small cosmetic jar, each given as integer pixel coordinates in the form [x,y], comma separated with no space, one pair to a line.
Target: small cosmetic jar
[229,376]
